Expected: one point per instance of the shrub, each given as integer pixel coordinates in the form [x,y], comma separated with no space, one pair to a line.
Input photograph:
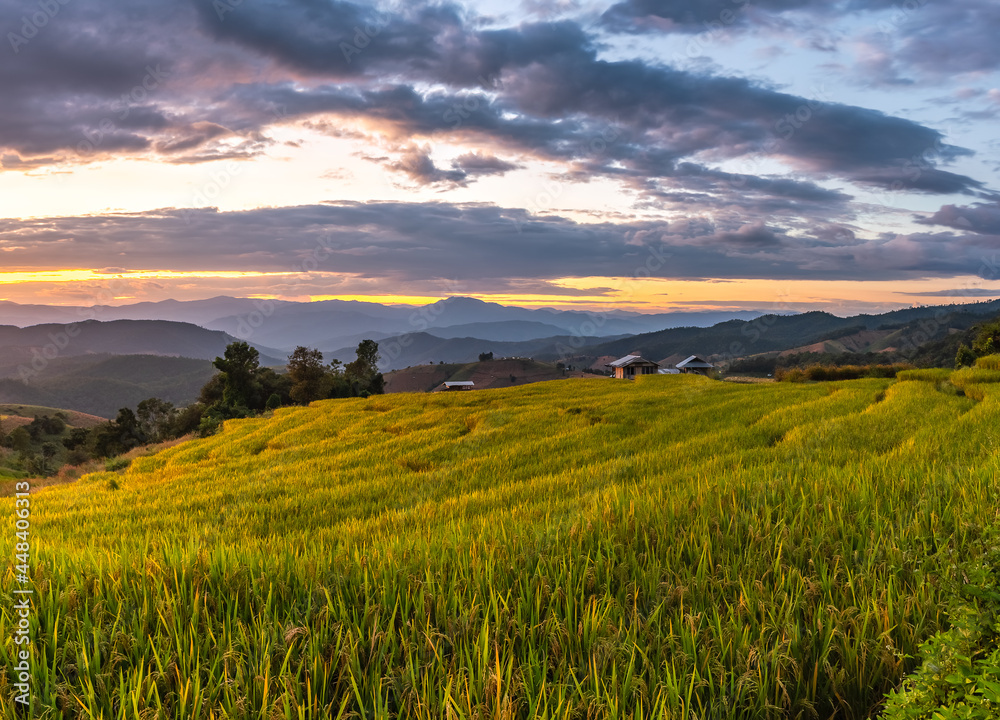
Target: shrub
[117,463]
[960,673]
[965,357]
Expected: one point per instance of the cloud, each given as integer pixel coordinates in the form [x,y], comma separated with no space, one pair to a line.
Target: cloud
[695,16]
[751,235]
[982,218]
[958,292]
[407,243]
[477,163]
[187,83]
[416,164]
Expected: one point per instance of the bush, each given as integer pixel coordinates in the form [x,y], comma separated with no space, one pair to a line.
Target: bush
[960,674]
[117,463]
[965,357]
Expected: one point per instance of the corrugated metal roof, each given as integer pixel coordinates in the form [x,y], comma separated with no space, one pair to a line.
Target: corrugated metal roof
[628,360]
[460,383]
[694,362]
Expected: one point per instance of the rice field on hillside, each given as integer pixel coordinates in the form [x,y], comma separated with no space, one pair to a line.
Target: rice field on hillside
[673,547]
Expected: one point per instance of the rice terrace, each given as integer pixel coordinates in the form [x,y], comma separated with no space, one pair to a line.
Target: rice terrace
[672,547]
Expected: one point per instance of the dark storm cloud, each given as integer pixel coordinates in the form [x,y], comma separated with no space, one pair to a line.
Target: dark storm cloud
[410,242]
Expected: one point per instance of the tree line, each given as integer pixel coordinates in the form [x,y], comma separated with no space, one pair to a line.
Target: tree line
[242,388]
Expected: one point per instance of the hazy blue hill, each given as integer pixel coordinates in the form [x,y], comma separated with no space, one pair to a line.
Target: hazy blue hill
[502,330]
[101,384]
[422,348]
[329,324]
[783,332]
[289,328]
[118,337]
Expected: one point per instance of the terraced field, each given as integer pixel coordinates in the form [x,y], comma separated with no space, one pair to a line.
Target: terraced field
[675,547]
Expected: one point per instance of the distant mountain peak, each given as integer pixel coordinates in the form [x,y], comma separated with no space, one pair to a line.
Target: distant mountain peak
[463,300]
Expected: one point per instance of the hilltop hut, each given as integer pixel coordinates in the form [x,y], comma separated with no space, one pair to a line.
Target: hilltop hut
[631,365]
[695,364]
[456,385]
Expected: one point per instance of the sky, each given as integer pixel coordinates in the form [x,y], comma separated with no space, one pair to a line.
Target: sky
[641,154]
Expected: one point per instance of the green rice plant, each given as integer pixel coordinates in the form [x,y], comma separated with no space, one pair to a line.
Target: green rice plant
[968,376]
[988,362]
[933,375]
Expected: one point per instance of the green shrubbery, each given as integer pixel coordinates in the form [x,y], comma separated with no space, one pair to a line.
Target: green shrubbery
[959,678]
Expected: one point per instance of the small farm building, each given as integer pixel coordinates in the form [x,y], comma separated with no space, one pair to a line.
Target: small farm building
[695,364]
[457,385]
[631,365]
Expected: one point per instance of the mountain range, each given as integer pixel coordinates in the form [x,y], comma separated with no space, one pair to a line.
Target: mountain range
[100,364]
[333,324]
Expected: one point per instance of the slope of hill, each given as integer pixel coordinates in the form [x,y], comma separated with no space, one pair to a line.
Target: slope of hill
[901,331]
[101,384]
[13,415]
[41,343]
[500,331]
[423,348]
[672,547]
[485,374]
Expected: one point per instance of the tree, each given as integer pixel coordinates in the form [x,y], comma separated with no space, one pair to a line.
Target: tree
[118,437]
[987,341]
[271,383]
[211,392]
[187,420]
[239,369]
[155,419]
[20,439]
[483,357]
[965,357]
[308,376]
[78,438]
[363,373]
[340,386]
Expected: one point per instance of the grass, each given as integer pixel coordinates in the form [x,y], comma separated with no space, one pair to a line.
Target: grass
[674,547]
